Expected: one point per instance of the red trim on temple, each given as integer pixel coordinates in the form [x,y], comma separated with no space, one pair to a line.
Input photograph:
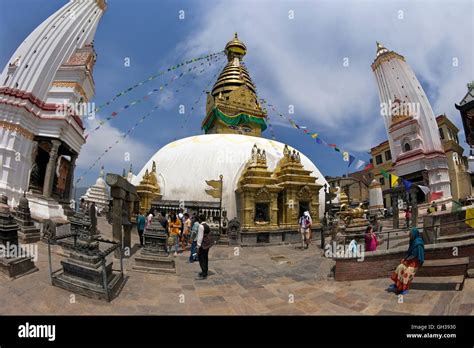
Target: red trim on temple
[415,154]
[36,115]
[17,93]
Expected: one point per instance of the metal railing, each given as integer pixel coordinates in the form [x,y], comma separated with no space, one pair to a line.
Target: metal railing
[436,227]
[395,230]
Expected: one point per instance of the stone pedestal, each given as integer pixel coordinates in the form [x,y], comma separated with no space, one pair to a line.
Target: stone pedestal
[233,232]
[28,232]
[154,258]
[45,208]
[85,273]
[17,266]
[357,225]
[14,260]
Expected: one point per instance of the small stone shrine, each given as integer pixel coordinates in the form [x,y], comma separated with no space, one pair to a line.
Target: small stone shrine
[15,261]
[154,258]
[234,232]
[87,271]
[28,232]
[224,232]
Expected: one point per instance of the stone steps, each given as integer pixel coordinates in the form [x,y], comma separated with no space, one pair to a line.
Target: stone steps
[454,237]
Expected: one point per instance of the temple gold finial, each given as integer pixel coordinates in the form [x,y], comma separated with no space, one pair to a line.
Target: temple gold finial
[235,48]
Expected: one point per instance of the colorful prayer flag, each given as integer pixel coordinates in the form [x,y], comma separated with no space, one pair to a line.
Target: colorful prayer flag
[385,174]
[470,217]
[359,164]
[351,159]
[314,136]
[369,166]
[425,189]
[394,180]
[436,195]
[407,184]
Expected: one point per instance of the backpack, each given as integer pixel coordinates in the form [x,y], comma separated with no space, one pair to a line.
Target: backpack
[208,239]
[304,221]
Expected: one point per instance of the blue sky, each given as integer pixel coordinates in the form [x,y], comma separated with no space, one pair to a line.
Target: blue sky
[295,62]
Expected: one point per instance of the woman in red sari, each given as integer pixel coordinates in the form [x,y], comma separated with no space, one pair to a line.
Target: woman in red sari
[405,272]
[370,239]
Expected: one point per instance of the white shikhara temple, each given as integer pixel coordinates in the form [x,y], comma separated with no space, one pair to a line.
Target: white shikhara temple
[98,193]
[43,89]
[413,135]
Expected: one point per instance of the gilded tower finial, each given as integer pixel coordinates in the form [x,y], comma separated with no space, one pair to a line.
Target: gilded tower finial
[235,48]
[232,105]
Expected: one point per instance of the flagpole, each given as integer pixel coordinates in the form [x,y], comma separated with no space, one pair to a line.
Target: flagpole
[220,205]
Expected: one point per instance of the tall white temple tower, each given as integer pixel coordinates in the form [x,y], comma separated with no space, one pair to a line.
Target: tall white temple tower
[413,134]
[44,91]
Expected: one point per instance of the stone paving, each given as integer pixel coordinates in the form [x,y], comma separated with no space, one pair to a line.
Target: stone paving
[278,280]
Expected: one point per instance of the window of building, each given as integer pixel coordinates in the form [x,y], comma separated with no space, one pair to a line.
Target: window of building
[450,134]
[388,155]
[441,133]
[378,159]
[407,147]
[382,181]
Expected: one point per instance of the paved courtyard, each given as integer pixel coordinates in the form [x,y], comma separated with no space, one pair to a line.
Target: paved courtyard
[277,280]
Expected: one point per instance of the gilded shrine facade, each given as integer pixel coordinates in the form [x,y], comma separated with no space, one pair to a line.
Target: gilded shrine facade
[269,203]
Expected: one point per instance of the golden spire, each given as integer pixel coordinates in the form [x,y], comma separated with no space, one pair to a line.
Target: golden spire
[235,48]
[234,74]
[234,95]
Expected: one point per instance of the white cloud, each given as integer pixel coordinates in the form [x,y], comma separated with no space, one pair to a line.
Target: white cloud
[127,151]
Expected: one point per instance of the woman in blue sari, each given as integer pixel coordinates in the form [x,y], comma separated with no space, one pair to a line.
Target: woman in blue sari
[405,272]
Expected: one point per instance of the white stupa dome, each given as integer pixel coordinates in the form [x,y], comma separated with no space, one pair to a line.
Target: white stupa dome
[183,166]
[100,182]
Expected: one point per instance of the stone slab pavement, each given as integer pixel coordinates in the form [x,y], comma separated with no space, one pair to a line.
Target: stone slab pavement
[269,280]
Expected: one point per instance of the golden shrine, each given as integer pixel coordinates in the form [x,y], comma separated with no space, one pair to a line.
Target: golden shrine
[148,189]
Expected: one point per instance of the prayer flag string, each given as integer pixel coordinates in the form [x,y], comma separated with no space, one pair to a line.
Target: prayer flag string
[146,97]
[196,102]
[154,76]
[130,130]
[394,179]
